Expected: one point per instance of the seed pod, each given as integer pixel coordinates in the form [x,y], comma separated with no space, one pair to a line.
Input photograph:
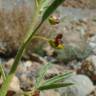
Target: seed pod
[54,20]
[57,42]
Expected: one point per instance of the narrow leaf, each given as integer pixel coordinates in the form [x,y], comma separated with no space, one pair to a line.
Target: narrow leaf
[51,9]
[2,72]
[58,78]
[42,73]
[54,86]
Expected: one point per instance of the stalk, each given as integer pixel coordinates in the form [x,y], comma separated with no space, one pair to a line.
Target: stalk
[33,29]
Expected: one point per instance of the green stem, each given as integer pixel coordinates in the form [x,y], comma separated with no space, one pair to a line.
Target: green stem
[27,41]
[41,37]
[2,72]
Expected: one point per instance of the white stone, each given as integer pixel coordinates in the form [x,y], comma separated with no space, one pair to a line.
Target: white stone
[27,64]
[15,85]
[92,45]
[82,86]
[92,59]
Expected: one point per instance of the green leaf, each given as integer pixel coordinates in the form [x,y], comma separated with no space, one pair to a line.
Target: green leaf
[37,2]
[41,73]
[54,86]
[58,78]
[51,8]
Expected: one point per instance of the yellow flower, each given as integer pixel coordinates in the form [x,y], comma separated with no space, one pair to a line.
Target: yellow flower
[60,46]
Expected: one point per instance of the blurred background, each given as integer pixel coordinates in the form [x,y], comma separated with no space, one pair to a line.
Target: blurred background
[77,24]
